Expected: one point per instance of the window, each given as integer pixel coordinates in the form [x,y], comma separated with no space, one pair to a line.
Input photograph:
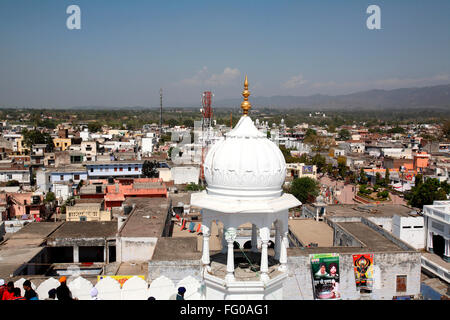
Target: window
[115,169]
[129,168]
[76,177]
[61,177]
[401,283]
[121,169]
[406,227]
[135,168]
[92,169]
[418,227]
[9,176]
[25,202]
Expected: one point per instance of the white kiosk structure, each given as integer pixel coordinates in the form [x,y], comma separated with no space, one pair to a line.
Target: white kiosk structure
[245,173]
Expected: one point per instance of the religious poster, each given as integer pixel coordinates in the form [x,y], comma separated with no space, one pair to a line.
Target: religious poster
[120,279]
[363,266]
[325,275]
[308,169]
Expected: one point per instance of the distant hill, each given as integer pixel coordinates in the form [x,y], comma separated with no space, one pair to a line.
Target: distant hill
[409,98]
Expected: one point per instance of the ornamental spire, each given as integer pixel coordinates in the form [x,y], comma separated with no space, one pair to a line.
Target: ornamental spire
[245,105]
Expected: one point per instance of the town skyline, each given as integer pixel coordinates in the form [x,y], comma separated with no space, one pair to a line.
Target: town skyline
[125,52]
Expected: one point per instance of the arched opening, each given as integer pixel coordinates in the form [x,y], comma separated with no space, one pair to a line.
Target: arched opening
[271,244]
[248,245]
[438,245]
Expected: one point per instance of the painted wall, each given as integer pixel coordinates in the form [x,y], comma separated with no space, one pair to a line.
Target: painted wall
[387,266]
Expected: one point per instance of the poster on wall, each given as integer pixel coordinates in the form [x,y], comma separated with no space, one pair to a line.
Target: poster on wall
[325,276]
[363,267]
[308,169]
[120,279]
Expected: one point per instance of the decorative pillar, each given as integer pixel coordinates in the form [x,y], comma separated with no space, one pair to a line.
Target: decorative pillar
[76,255]
[224,241]
[278,240]
[264,233]
[254,239]
[447,250]
[205,250]
[283,252]
[230,235]
[430,241]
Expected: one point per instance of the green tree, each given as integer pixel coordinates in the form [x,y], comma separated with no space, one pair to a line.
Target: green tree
[344,135]
[33,137]
[305,189]
[94,126]
[172,122]
[319,161]
[12,183]
[387,177]
[149,169]
[49,197]
[194,187]
[362,177]
[424,193]
[188,123]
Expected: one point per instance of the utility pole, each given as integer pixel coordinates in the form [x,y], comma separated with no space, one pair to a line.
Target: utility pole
[160,110]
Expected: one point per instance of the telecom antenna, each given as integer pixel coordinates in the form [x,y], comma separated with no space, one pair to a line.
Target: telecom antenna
[207,118]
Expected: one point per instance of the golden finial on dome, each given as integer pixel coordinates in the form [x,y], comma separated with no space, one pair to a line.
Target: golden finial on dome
[245,105]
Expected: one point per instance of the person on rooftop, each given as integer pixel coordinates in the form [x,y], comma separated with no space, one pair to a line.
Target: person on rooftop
[94,294]
[18,295]
[63,292]
[51,294]
[8,294]
[30,294]
[2,288]
[181,292]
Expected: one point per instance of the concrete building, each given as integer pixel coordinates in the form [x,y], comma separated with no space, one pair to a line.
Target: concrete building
[410,230]
[300,170]
[88,210]
[106,169]
[146,223]
[437,223]
[185,174]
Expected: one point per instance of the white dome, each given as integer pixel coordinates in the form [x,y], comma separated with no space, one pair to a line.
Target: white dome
[245,164]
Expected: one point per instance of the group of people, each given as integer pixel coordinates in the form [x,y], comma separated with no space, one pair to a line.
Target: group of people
[9,292]
[62,292]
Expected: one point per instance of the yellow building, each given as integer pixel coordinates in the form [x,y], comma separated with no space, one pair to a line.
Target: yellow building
[87,212]
[300,170]
[62,143]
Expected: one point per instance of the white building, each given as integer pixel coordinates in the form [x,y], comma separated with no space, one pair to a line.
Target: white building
[410,229]
[438,228]
[245,188]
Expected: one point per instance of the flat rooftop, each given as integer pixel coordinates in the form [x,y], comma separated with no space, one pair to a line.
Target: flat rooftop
[369,237]
[181,248]
[382,210]
[311,231]
[147,219]
[23,245]
[85,229]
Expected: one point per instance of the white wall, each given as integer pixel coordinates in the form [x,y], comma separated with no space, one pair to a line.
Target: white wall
[135,248]
[185,175]
[410,229]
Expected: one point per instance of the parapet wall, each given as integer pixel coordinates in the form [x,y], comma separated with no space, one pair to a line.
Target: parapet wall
[387,266]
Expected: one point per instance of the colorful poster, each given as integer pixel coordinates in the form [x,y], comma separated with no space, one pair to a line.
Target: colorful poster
[363,266]
[120,279]
[308,169]
[325,275]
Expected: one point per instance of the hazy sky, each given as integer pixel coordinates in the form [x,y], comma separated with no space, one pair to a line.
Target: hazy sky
[126,50]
